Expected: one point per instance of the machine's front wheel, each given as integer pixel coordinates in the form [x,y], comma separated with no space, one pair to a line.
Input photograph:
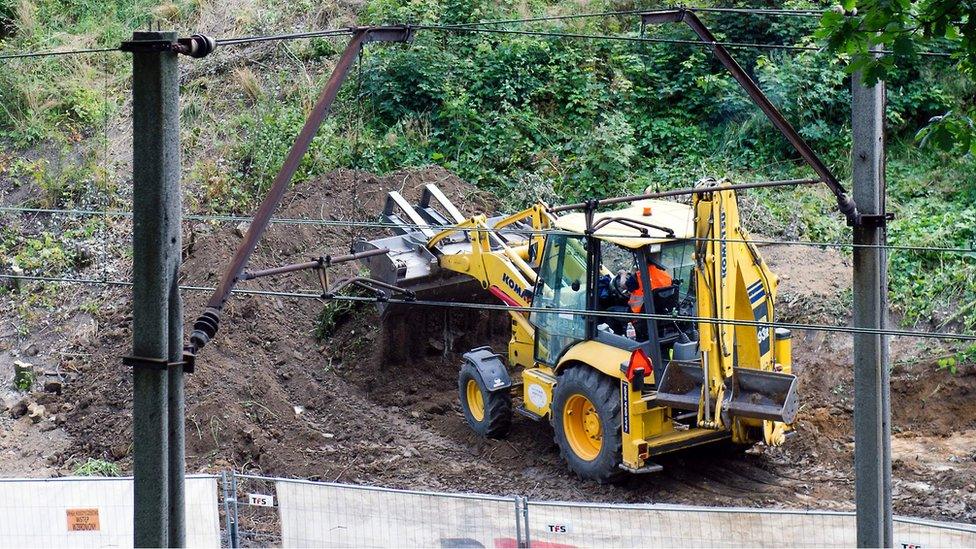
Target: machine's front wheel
[586,421]
[488,413]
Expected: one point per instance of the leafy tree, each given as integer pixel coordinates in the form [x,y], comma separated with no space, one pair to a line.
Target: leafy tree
[905,29]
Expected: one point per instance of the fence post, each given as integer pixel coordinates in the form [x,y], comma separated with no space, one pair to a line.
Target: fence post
[527,540]
[517,500]
[228,523]
[235,526]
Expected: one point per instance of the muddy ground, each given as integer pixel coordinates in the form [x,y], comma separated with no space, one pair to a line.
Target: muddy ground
[375,402]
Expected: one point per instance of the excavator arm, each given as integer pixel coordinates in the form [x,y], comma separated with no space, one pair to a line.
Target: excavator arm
[502,265]
[744,379]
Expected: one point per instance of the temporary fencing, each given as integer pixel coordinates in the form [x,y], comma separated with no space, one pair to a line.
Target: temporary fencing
[552,524]
[335,515]
[93,512]
[267,511]
[300,513]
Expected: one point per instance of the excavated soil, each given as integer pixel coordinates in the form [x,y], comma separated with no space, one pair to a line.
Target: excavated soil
[376,402]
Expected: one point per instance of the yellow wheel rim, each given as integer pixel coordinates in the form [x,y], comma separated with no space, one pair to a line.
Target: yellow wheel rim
[581,423]
[476,404]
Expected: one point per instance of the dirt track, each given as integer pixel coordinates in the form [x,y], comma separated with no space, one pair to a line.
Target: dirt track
[376,403]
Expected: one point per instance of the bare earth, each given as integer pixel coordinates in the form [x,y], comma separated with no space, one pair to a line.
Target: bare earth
[376,403]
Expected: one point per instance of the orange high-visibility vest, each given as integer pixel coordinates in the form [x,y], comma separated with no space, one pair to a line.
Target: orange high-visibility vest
[659,279]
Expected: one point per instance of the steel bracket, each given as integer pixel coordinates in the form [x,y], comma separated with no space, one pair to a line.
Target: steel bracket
[845,203]
[147,46]
[872,221]
[206,326]
[198,45]
[189,359]
[144,362]
[397,33]
[188,363]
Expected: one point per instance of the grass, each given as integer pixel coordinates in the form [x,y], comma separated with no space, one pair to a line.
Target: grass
[97,468]
[333,313]
[25,380]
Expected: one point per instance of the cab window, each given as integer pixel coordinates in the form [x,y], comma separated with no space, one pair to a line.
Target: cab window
[677,257]
[561,285]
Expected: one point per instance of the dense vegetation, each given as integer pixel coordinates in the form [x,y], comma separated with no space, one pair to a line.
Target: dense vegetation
[522,116]
[906,30]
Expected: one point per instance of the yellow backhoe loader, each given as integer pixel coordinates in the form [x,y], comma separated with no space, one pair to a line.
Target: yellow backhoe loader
[622,375]
[635,331]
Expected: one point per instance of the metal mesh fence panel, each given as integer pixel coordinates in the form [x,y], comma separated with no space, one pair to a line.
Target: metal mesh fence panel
[254,519]
[93,512]
[676,526]
[574,524]
[331,515]
[916,533]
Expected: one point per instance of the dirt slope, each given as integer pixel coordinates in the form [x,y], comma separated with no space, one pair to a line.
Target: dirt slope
[376,402]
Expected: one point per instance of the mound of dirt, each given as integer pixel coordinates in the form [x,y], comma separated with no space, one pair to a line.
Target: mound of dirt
[376,401]
[267,395]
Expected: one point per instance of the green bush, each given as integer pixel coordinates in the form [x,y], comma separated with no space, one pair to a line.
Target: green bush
[97,468]
[333,313]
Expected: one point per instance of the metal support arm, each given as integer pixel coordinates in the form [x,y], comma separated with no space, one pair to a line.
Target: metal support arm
[207,324]
[845,203]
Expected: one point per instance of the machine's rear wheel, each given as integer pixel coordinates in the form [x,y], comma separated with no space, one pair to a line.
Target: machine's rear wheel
[586,421]
[488,413]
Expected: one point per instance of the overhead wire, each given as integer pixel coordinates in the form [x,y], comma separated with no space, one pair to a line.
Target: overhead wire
[233,41]
[475,27]
[364,224]
[773,12]
[622,13]
[54,53]
[619,38]
[638,39]
[325,33]
[305,294]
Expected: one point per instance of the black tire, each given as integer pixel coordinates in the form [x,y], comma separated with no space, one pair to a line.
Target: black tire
[604,394]
[496,417]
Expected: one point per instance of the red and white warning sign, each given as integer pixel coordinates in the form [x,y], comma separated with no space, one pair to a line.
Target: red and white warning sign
[83,520]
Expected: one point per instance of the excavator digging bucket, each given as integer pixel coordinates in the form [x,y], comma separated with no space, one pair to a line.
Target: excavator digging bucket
[681,385]
[760,394]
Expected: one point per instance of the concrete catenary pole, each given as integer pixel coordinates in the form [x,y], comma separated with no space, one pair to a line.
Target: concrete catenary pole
[872,411]
[176,402]
[155,300]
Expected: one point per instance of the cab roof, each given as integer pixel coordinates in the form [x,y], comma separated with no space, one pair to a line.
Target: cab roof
[673,215]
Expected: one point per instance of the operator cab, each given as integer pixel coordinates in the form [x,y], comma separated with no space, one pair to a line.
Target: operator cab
[620,289]
[594,284]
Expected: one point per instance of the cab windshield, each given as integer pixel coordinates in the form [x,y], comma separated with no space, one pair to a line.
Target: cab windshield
[677,258]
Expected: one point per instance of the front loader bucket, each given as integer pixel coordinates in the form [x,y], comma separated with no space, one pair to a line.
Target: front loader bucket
[412,265]
[763,395]
[681,385]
